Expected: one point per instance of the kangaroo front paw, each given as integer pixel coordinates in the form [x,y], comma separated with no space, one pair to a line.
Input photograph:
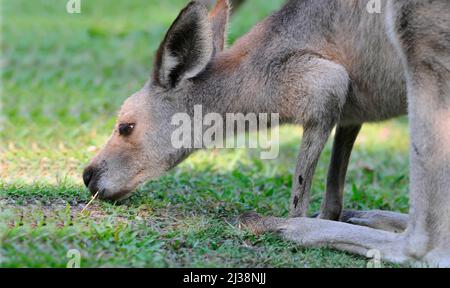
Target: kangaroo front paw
[252,221]
[258,224]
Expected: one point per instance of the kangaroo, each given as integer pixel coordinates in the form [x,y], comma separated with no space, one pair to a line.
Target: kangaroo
[317,63]
[420,32]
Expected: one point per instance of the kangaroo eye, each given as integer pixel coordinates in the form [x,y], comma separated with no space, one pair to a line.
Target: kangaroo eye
[125,129]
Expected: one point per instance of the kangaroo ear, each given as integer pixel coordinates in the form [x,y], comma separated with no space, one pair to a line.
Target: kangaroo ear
[219,16]
[187,47]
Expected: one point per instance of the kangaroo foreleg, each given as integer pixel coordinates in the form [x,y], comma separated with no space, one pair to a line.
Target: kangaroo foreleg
[314,140]
[342,148]
[319,106]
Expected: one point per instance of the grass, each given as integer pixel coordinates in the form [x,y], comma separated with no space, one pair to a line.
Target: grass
[64,77]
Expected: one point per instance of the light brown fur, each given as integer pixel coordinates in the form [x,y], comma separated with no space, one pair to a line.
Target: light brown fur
[321,64]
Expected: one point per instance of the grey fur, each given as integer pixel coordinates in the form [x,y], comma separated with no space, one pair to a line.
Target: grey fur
[342,148]
[420,31]
[320,64]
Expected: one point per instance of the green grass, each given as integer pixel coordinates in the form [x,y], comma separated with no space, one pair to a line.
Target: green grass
[64,77]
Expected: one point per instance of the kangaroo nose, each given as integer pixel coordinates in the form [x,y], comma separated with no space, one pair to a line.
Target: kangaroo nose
[90,178]
[88,175]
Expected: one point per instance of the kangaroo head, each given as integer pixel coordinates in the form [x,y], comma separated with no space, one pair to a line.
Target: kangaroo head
[140,147]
